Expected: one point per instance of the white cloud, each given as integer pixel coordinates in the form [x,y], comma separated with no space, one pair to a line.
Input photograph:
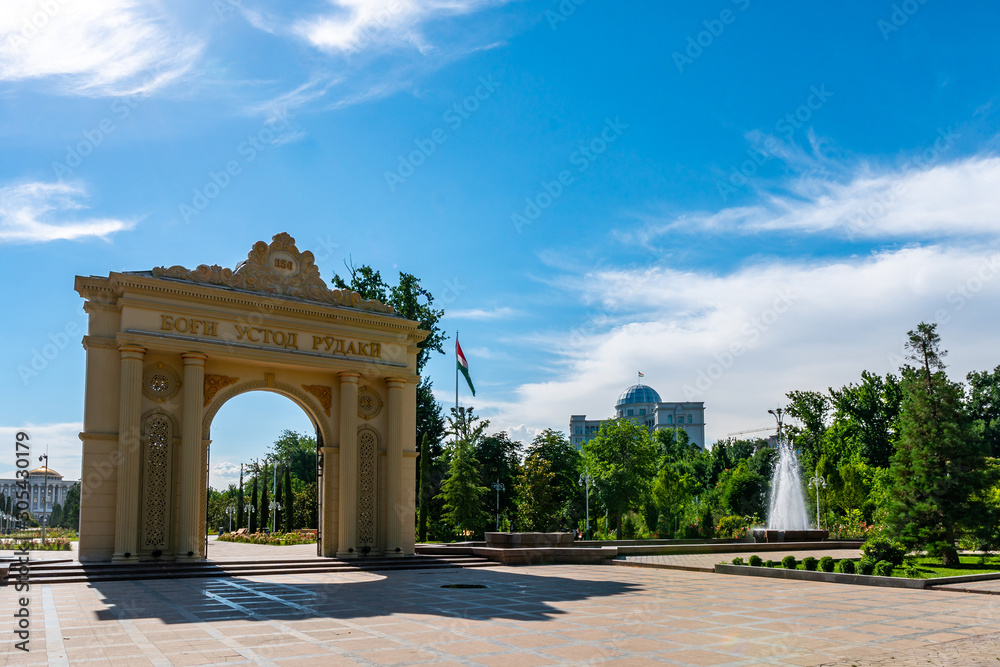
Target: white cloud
[223,474]
[482,313]
[358,25]
[25,217]
[926,199]
[92,47]
[63,442]
[739,342]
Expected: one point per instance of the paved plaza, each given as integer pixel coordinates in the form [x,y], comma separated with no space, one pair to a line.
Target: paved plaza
[526,616]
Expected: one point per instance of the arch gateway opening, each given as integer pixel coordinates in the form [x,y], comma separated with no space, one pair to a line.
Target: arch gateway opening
[166,348]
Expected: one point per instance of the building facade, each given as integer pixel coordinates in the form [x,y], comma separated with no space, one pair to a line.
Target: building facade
[641,404]
[47,487]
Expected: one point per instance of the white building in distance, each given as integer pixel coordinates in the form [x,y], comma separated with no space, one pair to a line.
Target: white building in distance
[47,488]
[642,405]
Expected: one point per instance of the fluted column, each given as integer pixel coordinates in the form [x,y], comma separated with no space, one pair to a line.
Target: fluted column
[127,498]
[192,523]
[347,528]
[331,483]
[394,468]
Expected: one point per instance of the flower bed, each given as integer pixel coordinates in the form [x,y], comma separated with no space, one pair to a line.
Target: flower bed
[274,539]
[55,544]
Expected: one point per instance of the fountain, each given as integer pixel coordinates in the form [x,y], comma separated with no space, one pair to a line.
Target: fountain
[787,519]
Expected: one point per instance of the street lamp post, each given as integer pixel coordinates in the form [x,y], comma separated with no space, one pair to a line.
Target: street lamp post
[249,509]
[275,507]
[585,482]
[778,416]
[498,487]
[230,511]
[818,482]
[45,491]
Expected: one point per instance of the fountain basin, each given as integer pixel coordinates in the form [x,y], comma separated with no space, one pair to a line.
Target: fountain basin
[773,535]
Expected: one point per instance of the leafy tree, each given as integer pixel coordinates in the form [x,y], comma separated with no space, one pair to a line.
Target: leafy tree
[566,464]
[71,508]
[297,450]
[671,492]
[870,412]
[537,502]
[938,472]
[810,408]
[462,493]
[499,460]
[622,461]
[984,408]
[463,424]
[743,491]
[265,512]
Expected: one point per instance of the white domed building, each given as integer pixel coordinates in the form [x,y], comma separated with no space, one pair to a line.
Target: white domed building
[641,403]
[46,486]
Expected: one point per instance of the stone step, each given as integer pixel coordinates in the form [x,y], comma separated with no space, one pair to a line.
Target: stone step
[91,573]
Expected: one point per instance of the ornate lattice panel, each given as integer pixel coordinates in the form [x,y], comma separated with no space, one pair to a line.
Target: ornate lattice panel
[156,466]
[367,453]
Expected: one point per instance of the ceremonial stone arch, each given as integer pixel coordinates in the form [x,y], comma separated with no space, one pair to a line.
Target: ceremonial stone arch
[167,348]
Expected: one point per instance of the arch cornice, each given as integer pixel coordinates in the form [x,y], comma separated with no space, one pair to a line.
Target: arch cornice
[304,400]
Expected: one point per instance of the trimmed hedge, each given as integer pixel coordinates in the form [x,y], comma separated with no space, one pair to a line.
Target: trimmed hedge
[883,568]
[826,563]
[809,563]
[756,561]
[866,566]
[738,560]
[845,566]
[789,562]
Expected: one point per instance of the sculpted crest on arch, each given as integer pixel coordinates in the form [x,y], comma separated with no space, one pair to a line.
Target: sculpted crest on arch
[278,268]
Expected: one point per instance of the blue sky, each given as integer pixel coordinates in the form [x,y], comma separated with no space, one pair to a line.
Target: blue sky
[736,198]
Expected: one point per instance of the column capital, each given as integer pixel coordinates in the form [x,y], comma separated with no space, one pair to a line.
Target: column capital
[194,358]
[349,377]
[395,382]
[132,351]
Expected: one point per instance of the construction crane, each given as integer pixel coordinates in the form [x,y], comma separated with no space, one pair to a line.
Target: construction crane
[752,430]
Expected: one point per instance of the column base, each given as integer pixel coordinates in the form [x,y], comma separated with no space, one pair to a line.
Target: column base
[122,558]
[348,554]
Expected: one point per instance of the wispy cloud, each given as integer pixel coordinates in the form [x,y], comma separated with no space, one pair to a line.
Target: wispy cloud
[62,441]
[483,314]
[740,341]
[357,25]
[917,201]
[93,48]
[27,212]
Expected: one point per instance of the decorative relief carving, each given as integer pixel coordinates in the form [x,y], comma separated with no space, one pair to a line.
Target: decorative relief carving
[159,382]
[279,269]
[213,383]
[367,450]
[323,393]
[157,462]
[369,402]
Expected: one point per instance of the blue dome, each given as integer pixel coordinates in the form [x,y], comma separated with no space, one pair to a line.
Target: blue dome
[638,393]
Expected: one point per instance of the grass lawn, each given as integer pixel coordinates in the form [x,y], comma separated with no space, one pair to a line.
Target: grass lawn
[932,567]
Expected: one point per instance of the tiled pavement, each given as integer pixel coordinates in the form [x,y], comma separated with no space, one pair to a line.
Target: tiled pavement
[527,616]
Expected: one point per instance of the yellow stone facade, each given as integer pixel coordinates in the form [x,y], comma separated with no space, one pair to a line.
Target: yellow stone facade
[167,348]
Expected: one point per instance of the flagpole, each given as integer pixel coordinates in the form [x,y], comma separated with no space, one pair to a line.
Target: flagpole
[456,370]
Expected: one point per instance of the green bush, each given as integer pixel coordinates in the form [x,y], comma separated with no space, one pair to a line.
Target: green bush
[914,573]
[809,563]
[877,550]
[883,568]
[738,560]
[769,563]
[789,562]
[845,566]
[826,563]
[756,561]
[866,566]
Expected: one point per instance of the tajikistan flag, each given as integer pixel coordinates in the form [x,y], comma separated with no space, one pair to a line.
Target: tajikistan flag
[463,365]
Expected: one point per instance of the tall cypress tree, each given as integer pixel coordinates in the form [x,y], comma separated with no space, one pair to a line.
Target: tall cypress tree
[424,486]
[938,470]
[239,501]
[289,501]
[265,511]
[253,504]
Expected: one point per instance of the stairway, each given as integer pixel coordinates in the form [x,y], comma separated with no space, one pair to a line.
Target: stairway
[74,572]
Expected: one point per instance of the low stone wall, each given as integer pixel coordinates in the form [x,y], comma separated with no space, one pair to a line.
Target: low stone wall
[528,540]
[856,579]
[546,555]
[732,547]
